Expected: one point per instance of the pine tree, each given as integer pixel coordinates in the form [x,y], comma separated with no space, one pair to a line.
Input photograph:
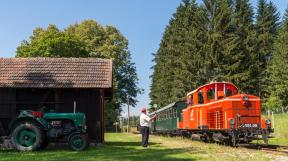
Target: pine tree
[241,47]
[178,58]
[215,41]
[221,46]
[278,70]
[266,30]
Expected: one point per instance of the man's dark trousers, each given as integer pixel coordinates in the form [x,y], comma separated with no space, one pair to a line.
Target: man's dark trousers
[145,135]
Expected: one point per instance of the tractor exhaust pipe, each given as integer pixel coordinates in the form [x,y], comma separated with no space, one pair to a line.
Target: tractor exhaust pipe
[74,107]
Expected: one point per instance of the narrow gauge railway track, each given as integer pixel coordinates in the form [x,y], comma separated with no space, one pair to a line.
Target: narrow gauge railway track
[262,147]
[268,148]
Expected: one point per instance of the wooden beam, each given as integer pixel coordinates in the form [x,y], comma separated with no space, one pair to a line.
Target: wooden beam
[102,115]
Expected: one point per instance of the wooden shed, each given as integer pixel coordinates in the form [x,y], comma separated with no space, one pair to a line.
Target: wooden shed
[58,84]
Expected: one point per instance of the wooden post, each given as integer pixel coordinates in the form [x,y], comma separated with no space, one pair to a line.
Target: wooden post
[102,115]
[56,100]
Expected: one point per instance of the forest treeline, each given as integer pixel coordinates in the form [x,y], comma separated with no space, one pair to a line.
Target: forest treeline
[224,40]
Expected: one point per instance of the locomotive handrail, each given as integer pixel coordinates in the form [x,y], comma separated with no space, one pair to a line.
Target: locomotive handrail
[163,108]
[250,116]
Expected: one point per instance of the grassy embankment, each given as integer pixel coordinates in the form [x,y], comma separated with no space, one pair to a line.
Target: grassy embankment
[123,146]
[281,130]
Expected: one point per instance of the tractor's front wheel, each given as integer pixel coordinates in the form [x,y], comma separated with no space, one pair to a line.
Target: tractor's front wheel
[27,137]
[78,142]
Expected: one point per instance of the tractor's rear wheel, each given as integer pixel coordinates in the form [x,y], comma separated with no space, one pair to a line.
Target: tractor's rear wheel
[78,142]
[27,137]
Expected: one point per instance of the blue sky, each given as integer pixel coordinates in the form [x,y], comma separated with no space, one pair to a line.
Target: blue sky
[142,22]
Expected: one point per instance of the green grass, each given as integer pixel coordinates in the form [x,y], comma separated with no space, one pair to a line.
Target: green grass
[281,130]
[124,146]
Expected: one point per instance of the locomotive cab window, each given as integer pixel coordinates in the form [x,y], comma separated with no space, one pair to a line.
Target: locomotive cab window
[200,98]
[228,92]
[189,100]
[210,94]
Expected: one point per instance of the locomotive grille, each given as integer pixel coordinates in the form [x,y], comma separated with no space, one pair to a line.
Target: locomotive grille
[215,119]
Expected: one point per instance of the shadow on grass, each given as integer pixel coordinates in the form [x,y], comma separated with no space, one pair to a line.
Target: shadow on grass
[109,151]
[119,143]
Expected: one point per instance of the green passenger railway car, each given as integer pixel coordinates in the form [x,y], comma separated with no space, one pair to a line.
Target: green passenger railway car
[168,118]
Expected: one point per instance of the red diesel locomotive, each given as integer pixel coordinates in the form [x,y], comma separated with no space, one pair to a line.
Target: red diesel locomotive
[216,112]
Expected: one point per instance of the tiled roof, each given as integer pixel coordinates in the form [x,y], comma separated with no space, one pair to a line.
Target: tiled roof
[55,73]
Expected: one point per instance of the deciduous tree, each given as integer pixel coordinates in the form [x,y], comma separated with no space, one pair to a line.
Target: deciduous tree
[89,39]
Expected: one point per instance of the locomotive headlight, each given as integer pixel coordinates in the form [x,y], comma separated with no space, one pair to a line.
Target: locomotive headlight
[268,122]
[246,102]
[245,98]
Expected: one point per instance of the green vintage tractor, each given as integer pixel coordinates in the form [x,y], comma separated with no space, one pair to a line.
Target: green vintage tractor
[33,130]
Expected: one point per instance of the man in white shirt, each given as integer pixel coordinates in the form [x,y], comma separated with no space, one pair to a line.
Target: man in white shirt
[144,123]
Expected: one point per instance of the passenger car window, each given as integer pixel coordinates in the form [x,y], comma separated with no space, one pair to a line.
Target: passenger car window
[175,113]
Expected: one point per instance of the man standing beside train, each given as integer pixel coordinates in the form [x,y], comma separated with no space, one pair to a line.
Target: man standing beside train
[144,123]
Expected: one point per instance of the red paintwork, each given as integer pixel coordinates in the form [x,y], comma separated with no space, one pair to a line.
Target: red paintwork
[37,114]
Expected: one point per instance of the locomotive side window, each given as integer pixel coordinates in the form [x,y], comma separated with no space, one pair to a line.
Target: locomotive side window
[210,94]
[228,92]
[200,98]
[190,100]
